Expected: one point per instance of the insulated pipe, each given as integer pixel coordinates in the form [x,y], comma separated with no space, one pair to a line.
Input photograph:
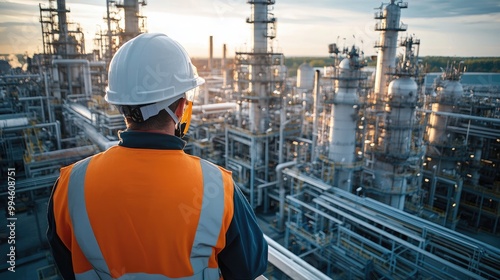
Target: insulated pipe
[82,111]
[21,76]
[47,94]
[315,114]
[215,108]
[279,169]
[97,138]
[97,63]
[87,84]
[13,122]
[461,116]
[259,192]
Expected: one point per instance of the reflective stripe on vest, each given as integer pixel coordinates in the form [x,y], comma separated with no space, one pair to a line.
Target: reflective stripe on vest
[207,232]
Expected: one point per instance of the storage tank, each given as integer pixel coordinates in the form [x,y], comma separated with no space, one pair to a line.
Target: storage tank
[305,77]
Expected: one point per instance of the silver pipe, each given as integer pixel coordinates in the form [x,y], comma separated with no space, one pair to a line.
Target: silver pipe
[279,172]
[97,138]
[315,114]
[215,108]
[20,76]
[47,94]
[461,116]
[261,187]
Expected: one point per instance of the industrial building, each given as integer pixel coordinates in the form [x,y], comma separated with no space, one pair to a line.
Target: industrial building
[353,175]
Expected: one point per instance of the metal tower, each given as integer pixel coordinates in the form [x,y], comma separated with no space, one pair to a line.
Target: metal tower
[252,145]
[389,25]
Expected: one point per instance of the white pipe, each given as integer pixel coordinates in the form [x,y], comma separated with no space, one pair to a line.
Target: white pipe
[82,111]
[279,169]
[20,76]
[46,82]
[215,108]
[261,187]
[22,121]
[315,114]
[97,63]
[97,138]
[462,116]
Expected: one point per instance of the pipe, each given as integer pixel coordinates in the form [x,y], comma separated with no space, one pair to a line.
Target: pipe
[82,111]
[215,108]
[21,76]
[279,169]
[13,122]
[81,151]
[259,191]
[97,63]
[283,123]
[102,142]
[462,116]
[315,115]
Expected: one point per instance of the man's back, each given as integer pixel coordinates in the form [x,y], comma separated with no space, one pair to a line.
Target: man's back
[159,211]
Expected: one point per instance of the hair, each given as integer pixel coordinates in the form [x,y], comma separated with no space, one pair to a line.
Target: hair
[155,122]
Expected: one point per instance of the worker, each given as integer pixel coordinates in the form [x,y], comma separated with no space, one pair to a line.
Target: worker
[144,209]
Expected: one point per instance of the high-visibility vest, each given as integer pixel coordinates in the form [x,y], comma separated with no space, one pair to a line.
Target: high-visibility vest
[130,214]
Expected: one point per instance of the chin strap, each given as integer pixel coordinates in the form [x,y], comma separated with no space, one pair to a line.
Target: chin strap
[186,118]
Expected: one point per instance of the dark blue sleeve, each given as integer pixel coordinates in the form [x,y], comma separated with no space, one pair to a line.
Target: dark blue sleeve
[245,254]
[61,254]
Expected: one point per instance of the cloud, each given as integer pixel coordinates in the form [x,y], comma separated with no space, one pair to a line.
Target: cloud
[440,9]
[303,27]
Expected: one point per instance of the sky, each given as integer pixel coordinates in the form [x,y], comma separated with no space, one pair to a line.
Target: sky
[305,28]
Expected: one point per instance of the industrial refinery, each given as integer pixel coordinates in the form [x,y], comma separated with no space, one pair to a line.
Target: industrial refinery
[354,172]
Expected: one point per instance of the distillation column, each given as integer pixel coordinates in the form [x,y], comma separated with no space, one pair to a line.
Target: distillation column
[259,85]
[344,118]
[393,175]
[258,110]
[63,28]
[124,22]
[389,26]
[439,136]
[398,149]
[446,149]
[131,10]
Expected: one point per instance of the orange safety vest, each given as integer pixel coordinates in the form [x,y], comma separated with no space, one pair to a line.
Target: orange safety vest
[143,214]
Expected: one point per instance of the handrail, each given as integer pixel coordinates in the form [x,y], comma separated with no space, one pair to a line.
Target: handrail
[290,264]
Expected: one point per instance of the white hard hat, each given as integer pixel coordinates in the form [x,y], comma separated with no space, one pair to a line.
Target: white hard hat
[152,69]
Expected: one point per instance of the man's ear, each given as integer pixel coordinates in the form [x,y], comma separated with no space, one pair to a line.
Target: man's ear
[180,108]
